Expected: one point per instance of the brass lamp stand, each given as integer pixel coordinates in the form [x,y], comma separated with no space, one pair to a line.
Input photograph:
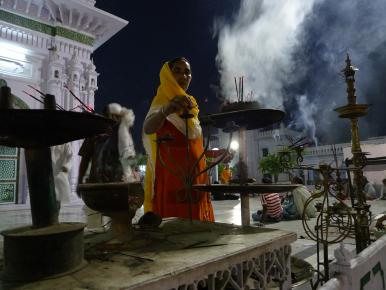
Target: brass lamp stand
[354,111]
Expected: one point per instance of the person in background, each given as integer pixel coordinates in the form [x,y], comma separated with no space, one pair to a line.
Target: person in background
[272,209]
[290,211]
[165,193]
[61,165]
[225,178]
[383,190]
[369,190]
[300,196]
[110,155]
[226,175]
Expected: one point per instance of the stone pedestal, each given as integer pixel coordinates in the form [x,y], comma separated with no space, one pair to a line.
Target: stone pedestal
[32,254]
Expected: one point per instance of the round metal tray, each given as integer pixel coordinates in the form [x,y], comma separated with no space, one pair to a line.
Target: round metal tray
[248,119]
[245,188]
[44,128]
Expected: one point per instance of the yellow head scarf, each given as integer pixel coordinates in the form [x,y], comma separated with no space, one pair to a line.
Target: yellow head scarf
[167,90]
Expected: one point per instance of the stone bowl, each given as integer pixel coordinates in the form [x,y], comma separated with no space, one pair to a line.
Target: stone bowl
[108,198]
[118,200]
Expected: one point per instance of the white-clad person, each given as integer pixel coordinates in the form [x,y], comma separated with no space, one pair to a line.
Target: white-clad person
[109,156]
[61,164]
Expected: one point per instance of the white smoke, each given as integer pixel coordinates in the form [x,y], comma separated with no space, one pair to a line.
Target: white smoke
[305,120]
[276,135]
[298,47]
[259,45]
[335,28]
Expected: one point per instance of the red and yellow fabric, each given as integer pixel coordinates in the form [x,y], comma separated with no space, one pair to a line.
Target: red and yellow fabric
[164,192]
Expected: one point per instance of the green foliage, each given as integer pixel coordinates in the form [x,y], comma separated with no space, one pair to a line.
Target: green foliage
[271,164]
[140,159]
[281,162]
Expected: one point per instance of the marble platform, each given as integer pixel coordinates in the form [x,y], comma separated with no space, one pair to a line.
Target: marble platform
[182,255]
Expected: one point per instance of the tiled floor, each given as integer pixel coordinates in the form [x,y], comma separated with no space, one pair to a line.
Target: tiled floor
[227,211]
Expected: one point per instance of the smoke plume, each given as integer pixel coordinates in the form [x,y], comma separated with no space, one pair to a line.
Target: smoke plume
[259,45]
[290,48]
[304,120]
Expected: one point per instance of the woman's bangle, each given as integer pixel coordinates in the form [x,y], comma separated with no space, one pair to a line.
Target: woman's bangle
[163,112]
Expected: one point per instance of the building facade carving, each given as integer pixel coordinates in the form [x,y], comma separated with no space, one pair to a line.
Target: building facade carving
[48,45]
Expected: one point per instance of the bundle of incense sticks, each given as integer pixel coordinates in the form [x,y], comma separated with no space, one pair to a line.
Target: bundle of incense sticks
[42,96]
[240,89]
[84,106]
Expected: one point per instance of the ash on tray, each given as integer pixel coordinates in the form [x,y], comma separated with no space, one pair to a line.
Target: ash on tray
[240,106]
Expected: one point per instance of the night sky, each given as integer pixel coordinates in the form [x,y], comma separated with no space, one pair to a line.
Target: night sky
[129,63]
[291,53]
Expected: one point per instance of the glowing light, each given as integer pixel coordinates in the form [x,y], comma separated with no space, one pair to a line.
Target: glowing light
[13,52]
[234,145]
[13,60]
[142,168]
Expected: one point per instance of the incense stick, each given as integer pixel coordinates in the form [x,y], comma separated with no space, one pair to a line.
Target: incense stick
[57,106]
[44,96]
[242,88]
[33,97]
[237,91]
[79,100]
[40,92]
[239,98]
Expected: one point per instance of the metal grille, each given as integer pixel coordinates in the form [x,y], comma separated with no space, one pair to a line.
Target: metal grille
[7,192]
[8,174]
[8,151]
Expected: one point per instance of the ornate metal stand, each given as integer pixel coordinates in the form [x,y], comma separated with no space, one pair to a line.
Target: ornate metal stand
[229,122]
[47,248]
[189,175]
[354,111]
[336,220]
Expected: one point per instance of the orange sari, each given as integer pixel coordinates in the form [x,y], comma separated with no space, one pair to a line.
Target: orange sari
[170,197]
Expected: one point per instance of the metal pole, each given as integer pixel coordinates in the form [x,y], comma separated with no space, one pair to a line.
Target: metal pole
[244,197]
[41,184]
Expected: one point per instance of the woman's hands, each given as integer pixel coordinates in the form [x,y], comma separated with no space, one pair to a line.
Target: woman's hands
[176,105]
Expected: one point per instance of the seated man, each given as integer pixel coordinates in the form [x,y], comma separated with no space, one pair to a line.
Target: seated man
[300,197]
[290,211]
[272,209]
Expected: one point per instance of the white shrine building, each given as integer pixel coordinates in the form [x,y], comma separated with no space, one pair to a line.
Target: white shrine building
[48,44]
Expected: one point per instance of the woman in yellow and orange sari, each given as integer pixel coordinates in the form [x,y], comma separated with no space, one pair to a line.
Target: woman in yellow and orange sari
[165,192]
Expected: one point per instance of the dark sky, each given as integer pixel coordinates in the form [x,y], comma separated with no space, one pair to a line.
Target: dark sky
[129,63]
[306,69]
